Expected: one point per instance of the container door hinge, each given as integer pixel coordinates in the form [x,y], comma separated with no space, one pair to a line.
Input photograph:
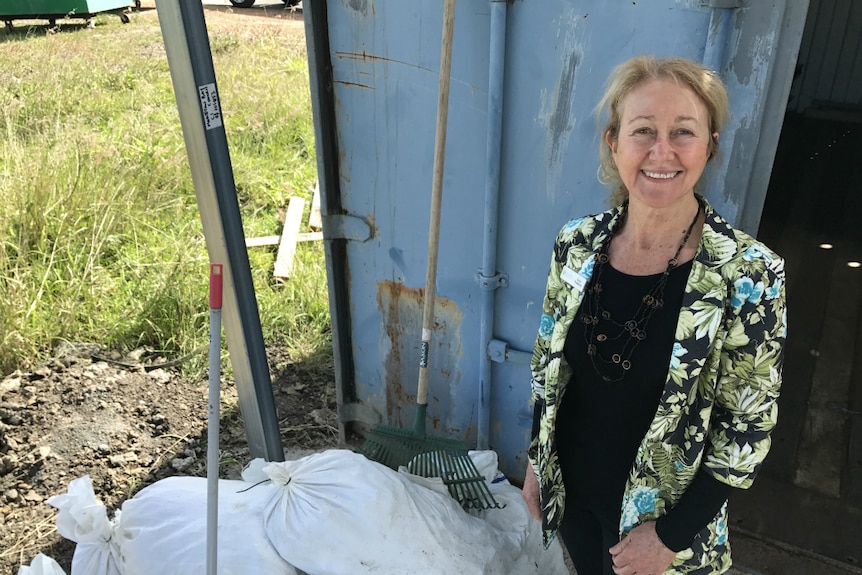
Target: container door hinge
[724,3]
[346,227]
[489,283]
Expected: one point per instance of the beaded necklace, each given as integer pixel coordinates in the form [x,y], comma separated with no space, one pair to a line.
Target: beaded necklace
[592,310]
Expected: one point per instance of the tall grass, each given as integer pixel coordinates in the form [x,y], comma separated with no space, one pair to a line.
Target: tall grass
[100,237]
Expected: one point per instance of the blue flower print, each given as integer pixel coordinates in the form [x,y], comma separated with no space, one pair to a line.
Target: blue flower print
[756,293]
[572,224]
[546,327]
[744,289]
[678,352]
[641,500]
[587,267]
[644,499]
[678,465]
[754,252]
[774,290]
[721,532]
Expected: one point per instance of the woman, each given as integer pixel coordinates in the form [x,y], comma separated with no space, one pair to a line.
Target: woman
[657,367]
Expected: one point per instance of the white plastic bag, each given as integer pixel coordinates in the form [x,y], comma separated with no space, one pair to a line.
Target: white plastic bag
[84,520]
[513,519]
[164,529]
[525,532]
[41,565]
[338,513]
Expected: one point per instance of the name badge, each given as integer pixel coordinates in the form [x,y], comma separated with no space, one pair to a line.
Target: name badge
[573,278]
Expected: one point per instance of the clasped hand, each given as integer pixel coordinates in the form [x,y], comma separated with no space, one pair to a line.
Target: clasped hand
[641,553]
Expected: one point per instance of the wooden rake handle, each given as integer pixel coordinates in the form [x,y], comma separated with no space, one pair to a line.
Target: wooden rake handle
[436,197]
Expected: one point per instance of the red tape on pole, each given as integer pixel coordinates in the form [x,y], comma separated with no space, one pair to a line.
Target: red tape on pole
[215,286]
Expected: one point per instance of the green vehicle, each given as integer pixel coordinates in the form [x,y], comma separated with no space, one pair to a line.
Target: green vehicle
[53,10]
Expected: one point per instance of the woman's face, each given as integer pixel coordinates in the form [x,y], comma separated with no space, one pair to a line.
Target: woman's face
[663,143]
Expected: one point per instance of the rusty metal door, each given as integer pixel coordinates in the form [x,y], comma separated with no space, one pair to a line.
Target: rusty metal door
[374,79]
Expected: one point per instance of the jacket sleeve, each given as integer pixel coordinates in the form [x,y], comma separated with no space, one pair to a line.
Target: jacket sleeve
[749,380]
[541,348]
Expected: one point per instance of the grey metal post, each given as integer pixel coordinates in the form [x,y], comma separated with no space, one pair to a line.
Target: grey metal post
[190,61]
[487,276]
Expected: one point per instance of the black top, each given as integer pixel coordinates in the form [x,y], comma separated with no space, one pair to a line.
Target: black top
[601,423]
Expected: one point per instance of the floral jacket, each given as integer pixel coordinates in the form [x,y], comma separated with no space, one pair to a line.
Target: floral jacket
[719,403]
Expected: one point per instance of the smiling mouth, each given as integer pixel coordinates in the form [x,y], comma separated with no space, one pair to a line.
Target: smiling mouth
[660,175]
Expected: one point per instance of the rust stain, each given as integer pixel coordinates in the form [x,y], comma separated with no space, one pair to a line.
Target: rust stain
[401,309]
[390,297]
[354,84]
[366,57]
[372,224]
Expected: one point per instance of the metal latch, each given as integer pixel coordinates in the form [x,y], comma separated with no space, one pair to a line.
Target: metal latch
[347,227]
[499,351]
[724,3]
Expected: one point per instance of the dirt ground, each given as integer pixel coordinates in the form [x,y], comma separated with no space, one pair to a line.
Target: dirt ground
[127,426]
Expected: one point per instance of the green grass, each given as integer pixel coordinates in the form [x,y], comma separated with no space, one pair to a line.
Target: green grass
[100,236]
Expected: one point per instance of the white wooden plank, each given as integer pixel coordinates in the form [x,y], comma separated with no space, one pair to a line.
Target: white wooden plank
[287,245]
[262,241]
[275,240]
[309,237]
[314,219]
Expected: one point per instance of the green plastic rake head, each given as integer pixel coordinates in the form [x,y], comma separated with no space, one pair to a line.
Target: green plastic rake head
[460,476]
[395,447]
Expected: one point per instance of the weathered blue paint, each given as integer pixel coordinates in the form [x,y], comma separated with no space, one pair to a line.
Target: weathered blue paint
[385,58]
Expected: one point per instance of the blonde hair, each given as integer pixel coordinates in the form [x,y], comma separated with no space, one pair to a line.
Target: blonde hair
[632,73]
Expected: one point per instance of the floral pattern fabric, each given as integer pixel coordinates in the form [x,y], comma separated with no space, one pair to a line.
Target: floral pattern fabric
[719,403]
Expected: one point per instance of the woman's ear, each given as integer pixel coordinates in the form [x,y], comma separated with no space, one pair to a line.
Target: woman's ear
[713,145]
[610,142]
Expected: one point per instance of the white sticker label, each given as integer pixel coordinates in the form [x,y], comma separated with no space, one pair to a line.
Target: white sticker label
[209,106]
[573,278]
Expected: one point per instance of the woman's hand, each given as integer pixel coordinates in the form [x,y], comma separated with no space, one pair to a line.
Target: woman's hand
[530,493]
[641,553]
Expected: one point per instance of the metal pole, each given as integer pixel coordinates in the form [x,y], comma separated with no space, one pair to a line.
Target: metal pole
[190,61]
[487,276]
[335,249]
[213,417]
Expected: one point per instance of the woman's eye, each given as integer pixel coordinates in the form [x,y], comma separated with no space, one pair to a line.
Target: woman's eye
[643,131]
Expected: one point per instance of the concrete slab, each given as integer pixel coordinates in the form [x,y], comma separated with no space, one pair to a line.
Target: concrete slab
[756,555]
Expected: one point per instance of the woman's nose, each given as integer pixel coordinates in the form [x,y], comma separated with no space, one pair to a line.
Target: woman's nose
[661,147]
